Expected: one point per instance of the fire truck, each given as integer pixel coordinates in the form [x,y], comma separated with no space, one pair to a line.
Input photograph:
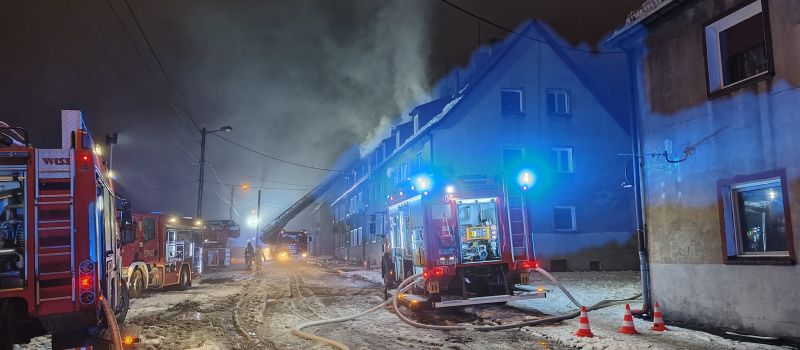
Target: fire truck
[163,251]
[289,245]
[59,246]
[469,239]
[215,241]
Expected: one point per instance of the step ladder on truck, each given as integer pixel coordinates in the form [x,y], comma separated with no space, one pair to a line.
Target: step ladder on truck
[469,239]
[59,242]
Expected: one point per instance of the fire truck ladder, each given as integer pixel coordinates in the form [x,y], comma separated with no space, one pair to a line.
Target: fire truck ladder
[277,224]
[517,224]
[53,235]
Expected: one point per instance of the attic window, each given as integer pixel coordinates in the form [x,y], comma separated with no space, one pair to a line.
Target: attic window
[558,102]
[511,101]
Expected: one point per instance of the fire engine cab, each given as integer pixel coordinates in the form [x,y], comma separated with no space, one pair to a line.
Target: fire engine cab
[162,251]
[469,239]
[59,247]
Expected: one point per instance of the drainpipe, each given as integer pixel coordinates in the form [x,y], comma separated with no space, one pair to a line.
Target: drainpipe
[638,184]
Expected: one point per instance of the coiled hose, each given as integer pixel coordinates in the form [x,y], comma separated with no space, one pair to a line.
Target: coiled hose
[409,282]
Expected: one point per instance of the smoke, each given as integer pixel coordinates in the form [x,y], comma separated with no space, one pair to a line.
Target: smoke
[308,80]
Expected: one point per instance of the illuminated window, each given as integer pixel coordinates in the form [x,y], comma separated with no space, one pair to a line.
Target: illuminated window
[557,102]
[564,218]
[755,219]
[736,47]
[511,101]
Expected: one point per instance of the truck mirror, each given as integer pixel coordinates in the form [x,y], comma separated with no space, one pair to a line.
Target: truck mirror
[127,219]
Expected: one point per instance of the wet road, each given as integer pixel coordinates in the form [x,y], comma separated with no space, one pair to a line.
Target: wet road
[257,310]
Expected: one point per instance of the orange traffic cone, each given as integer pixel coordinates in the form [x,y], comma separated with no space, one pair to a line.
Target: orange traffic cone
[658,320]
[583,327]
[627,322]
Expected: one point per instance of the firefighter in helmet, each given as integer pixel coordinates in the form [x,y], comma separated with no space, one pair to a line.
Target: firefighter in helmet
[249,252]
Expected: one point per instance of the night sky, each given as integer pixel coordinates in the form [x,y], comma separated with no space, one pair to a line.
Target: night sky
[304,81]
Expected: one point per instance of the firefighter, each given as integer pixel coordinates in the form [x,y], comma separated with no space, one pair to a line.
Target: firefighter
[258,256]
[387,270]
[248,255]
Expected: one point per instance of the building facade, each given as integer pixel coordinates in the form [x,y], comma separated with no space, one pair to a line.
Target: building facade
[718,109]
[524,103]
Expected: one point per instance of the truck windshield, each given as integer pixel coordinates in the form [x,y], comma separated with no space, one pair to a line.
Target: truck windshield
[477,221]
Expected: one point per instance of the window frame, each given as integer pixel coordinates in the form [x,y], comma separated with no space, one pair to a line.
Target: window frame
[567,101]
[573,216]
[521,93]
[144,228]
[570,155]
[728,217]
[725,89]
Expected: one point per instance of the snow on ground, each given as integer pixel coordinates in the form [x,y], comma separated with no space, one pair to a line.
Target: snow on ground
[237,309]
[591,287]
[211,285]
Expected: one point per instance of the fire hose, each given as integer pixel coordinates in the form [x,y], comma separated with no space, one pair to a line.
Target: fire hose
[411,281]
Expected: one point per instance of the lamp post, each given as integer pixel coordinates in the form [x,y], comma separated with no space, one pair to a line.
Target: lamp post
[203,133]
[111,140]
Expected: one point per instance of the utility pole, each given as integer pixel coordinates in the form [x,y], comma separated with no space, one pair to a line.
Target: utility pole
[111,140]
[203,133]
[258,213]
[230,209]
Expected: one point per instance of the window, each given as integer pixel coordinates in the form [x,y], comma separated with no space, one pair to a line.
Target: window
[511,101]
[736,47]
[564,218]
[755,219]
[562,159]
[557,102]
[149,228]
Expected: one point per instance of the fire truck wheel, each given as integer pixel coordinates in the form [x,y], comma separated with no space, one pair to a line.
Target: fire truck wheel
[136,286]
[184,281]
[121,311]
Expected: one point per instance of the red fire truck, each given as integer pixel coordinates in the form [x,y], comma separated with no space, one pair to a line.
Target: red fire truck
[163,251]
[58,239]
[215,241]
[290,245]
[469,239]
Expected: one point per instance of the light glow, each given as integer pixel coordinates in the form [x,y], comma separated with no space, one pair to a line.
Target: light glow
[252,221]
[450,189]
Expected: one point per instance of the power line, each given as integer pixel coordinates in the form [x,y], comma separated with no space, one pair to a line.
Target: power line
[144,63]
[273,157]
[500,26]
[161,66]
[260,178]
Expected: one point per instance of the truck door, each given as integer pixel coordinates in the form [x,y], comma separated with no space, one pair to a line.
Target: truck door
[108,240]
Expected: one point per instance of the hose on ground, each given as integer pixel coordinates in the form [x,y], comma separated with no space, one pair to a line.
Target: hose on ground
[411,281]
[599,305]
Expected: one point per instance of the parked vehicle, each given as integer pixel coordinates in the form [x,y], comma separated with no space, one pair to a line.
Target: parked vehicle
[470,242]
[217,252]
[163,251]
[59,244]
[290,245]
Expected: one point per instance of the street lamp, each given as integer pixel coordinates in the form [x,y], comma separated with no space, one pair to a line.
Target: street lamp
[203,133]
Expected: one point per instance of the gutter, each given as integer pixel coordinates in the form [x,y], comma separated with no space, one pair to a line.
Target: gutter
[639,188]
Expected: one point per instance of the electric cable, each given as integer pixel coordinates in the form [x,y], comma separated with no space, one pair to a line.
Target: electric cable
[273,157]
[497,25]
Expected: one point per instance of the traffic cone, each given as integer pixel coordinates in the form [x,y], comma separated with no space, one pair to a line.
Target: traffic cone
[658,320]
[627,322]
[583,325]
